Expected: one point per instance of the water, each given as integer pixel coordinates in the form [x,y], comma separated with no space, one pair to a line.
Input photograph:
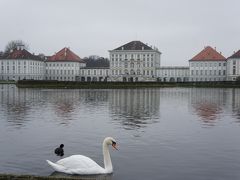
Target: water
[168,133]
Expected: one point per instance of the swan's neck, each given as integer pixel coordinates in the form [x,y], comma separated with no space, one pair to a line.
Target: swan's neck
[107,159]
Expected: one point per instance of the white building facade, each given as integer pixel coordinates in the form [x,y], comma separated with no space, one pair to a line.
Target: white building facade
[208,65]
[233,66]
[131,62]
[173,74]
[94,74]
[134,61]
[64,66]
[19,64]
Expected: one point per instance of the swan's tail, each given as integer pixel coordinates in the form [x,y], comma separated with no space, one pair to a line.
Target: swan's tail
[56,167]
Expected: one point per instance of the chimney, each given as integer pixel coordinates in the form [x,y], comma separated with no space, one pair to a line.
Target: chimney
[142,47]
[122,48]
[65,53]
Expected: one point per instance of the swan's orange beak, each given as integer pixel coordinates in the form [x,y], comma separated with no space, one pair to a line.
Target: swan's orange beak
[114,145]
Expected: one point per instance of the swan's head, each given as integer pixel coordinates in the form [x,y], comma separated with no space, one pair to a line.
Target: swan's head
[111,141]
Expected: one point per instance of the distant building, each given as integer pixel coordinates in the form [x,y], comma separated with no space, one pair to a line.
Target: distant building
[134,61]
[233,66]
[64,66]
[208,65]
[20,64]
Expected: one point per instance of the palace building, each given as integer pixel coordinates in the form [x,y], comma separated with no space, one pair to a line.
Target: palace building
[132,62]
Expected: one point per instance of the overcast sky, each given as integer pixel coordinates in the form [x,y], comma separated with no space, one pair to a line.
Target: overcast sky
[179,28]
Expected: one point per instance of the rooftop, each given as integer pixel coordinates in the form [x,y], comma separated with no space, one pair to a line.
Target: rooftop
[134,45]
[64,55]
[19,53]
[208,54]
[235,55]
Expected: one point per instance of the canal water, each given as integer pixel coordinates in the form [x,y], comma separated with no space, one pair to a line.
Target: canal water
[162,133]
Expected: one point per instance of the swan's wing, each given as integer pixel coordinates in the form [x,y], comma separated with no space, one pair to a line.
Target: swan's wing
[79,164]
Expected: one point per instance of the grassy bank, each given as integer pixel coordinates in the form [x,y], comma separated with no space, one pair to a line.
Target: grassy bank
[30,177]
[58,177]
[7,82]
[119,85]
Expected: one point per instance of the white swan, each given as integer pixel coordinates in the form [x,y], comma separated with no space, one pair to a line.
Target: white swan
[79,164]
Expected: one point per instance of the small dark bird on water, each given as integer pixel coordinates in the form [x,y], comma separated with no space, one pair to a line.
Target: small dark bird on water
[59,151]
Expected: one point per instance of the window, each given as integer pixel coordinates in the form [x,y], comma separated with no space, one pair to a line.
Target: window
[234,70]
[132,65]
[138,72]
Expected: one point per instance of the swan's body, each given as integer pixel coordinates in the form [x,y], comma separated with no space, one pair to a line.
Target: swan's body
[79,164]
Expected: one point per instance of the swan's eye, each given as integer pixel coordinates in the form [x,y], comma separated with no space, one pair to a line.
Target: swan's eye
[114,143]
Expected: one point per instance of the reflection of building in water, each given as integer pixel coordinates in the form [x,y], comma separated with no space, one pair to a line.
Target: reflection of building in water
[135,108]
[208,103]
[235,102]
[16,103]
[208,112]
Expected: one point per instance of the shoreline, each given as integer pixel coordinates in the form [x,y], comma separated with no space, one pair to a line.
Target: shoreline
[33,177]
[120,85]
[54,177]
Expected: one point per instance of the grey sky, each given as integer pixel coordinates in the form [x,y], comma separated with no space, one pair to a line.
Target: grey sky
[179,28]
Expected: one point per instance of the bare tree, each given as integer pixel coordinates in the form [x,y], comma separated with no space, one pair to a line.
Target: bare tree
[14,44]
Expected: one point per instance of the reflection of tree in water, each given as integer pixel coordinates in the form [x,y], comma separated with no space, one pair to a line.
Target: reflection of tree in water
[208,112]
[135,108]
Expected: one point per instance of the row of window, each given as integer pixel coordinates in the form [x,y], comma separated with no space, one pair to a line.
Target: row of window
[94,72]
[132,65]
[207,79]
[60,72]
[20,77]
[208,72]
[132,56]
[61,78]
[132,72]
[174,73]
[14,70]
[132,59]
[22,62]
[207,64]
[59,65]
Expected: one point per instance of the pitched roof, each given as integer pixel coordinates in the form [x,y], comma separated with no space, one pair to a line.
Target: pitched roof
[235,55]
[19,54]
[65,54]
[134,45]
[208,54]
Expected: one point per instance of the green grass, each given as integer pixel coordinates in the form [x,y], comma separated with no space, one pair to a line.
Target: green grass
[7,82]
[32,177]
